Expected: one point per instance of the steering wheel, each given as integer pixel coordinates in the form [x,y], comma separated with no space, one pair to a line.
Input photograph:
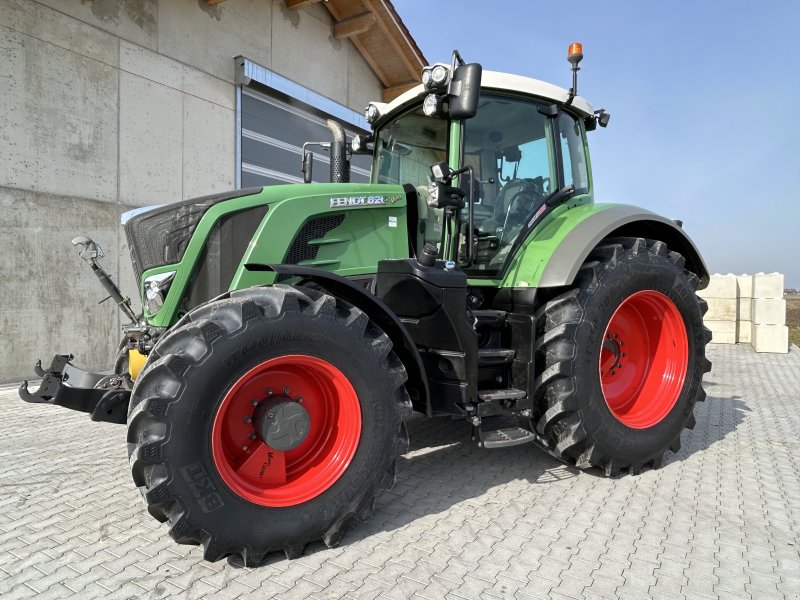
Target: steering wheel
[517,211]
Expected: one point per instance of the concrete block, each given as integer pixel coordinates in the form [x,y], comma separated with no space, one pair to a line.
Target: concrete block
[58,125]
[768,285]
[744,332]
[771,338]
[76,128]
[53,27]
[720,286]
[722,332]
[170,73]
[721,309]
[150,143]
[363,86]
[744,286]
[298,35]
[208,37]
[768,311]
[209,148]
[745,306]
[133,20]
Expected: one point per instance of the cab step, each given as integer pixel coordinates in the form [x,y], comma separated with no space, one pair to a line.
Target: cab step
[495,356]
[500,438]
[503,394]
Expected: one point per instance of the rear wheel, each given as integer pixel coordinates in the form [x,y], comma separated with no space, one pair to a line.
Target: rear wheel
[621,357]
[267,420]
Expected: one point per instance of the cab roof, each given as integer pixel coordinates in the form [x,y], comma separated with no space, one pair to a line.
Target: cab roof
[495,80]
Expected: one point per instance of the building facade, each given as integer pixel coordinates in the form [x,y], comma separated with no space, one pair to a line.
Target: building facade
[109,106]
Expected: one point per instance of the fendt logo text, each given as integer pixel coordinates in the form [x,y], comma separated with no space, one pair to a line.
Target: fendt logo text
[357,201]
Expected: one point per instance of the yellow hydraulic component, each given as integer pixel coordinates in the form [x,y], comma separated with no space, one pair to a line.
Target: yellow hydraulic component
[136,361]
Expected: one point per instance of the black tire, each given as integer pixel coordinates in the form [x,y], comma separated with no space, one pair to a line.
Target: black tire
[175,400]
[572,418]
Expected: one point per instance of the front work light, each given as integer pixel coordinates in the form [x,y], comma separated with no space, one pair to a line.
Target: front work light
[155,290]
[433,104]
[372,113]
[436,77]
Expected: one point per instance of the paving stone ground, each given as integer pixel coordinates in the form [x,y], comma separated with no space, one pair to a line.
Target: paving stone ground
[721,519]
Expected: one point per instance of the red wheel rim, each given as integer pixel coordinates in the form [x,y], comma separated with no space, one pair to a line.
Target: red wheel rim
[258,472]
[644,359]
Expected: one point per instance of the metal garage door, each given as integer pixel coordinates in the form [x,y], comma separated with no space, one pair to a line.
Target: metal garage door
[272,136]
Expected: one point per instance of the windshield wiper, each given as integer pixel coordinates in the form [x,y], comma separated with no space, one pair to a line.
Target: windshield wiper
[560,196]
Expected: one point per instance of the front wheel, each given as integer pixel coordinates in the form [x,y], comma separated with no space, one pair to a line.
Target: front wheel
[267,420]
[621,357]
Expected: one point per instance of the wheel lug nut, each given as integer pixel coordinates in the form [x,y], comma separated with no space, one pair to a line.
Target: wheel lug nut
[299,399]
[248,419]
[268,391]
[286,390]
[245,449]
[252,436]
[254,402]
[270,415]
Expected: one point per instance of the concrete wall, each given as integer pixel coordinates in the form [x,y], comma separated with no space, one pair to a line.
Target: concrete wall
[110,105]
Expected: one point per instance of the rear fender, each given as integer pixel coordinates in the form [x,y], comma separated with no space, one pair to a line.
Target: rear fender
[605,221]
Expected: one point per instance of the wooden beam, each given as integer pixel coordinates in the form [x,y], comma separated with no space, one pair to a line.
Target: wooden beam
[390,93]
[395,36]
[353,26]
[298,4]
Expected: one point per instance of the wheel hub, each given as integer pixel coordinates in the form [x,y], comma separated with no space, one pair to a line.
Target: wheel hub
[282,424]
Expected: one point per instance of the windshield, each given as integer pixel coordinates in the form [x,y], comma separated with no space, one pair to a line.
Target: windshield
[406,147]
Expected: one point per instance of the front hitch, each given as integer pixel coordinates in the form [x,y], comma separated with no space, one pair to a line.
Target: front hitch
[104,396]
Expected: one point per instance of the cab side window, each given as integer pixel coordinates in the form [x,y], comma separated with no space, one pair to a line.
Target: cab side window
[573,154]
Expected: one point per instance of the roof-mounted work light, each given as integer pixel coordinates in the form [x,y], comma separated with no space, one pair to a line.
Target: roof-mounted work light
[436,77]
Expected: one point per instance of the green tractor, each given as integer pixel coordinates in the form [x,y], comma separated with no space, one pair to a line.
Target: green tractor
[288,332]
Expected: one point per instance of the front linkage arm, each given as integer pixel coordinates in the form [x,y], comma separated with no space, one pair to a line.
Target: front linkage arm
[103,395]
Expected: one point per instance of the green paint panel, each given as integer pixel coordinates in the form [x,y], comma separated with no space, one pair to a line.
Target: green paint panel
[527,266]
[368,234]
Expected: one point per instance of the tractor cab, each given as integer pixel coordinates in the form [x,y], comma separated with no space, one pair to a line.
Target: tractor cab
[518,153]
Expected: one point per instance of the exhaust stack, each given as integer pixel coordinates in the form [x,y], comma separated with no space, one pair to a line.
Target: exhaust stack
[340,166]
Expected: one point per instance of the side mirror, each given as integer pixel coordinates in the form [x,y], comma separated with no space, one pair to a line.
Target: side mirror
[465,89]
[308,165]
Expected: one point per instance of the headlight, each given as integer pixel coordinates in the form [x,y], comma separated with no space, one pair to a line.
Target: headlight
[436,77]
[439,74]
[426,76]
[432,105]
[155,290]
[371,113]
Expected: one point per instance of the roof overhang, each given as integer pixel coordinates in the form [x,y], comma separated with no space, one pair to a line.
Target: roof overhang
[378,32]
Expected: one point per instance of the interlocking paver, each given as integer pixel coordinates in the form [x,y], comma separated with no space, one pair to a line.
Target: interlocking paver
[719,520]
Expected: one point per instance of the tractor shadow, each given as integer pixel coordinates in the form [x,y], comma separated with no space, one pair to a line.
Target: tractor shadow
[445,468]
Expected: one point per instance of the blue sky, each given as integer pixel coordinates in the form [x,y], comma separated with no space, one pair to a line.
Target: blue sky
[704,98]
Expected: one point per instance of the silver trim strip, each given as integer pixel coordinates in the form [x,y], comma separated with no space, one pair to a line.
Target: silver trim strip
[248,71]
